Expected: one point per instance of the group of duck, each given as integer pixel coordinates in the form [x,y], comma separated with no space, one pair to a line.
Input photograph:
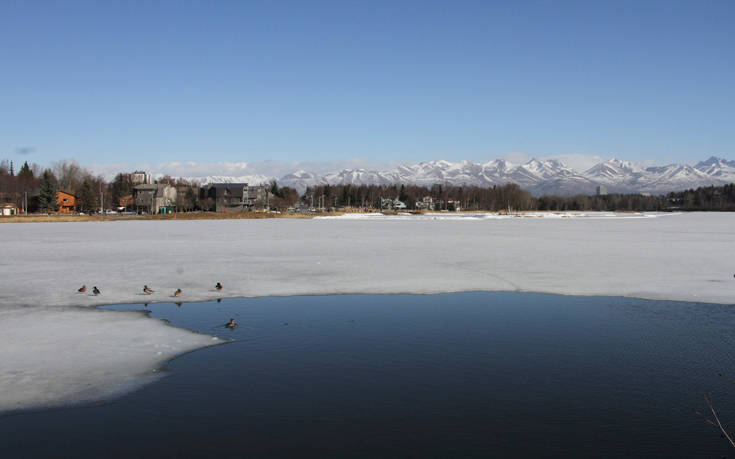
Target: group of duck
[147,290]
[83,289]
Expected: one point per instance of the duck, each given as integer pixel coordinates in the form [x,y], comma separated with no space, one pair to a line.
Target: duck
[95,290]
[82,289]
[231,324]
[147,290]
[218,287]
[177,292]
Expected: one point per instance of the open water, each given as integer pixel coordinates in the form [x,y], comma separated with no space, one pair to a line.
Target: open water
[453,375]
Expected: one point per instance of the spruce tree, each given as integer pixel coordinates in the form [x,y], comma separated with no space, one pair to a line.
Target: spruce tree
[85,196]
[191,198]
[402,196]
[25,171]
[47,198]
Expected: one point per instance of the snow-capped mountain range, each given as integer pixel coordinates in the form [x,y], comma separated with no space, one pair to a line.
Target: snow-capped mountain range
[547,176]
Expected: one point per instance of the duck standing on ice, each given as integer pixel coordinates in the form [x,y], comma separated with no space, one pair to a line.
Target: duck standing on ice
[147,290]
[218,287]
[177,293]
[95,290]
[82,289]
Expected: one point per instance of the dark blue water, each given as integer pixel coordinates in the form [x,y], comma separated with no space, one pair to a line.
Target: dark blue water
[456,375]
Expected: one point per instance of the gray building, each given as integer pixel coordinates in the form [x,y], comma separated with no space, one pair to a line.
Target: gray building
[140,178]
[154,198]
[235,197]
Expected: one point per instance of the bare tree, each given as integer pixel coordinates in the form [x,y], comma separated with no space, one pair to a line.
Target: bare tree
[727,433]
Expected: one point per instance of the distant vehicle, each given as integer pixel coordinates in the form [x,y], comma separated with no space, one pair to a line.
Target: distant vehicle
[110,212]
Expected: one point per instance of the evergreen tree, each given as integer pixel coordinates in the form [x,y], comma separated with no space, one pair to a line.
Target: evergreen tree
[402,196]
[25,172]
[120,187]
[85,196]
[47,198]
[274,189]
[191,198]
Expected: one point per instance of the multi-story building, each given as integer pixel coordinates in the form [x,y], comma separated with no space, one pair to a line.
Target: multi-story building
[154,198]
[67,202]
[234,197]
[140,178]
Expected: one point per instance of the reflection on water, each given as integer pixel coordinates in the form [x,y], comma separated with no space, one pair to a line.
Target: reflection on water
[456,375]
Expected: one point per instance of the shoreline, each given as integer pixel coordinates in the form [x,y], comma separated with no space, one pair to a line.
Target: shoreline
[181,216]
[196,216]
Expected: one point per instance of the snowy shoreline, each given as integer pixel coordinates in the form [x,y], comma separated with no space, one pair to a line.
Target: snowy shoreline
[59,348]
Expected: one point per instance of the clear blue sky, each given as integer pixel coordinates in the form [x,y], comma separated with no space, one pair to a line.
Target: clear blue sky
[397,80]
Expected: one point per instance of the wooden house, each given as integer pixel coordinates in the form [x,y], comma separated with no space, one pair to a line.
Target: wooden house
[127,202]
[67,202]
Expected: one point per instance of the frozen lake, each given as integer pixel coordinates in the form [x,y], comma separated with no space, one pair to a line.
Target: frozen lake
[454,375]
[58,349]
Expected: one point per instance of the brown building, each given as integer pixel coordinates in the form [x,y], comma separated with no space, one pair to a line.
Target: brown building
[67,202]
[127,202]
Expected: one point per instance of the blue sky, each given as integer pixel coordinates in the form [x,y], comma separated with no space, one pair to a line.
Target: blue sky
[154,82]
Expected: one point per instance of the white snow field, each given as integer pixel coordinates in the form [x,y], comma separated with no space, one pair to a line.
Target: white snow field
[56,348]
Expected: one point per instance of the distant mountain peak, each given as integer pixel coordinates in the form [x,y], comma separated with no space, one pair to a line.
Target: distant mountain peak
[539,176]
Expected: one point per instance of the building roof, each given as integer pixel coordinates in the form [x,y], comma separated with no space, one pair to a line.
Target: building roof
[227,185]
[148,186]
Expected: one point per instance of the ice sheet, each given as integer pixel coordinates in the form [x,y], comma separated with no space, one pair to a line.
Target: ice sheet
[58,349]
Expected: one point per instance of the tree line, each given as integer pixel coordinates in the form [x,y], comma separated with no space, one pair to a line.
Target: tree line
[444,197]
[708,198]
[37,186]
[513,197]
